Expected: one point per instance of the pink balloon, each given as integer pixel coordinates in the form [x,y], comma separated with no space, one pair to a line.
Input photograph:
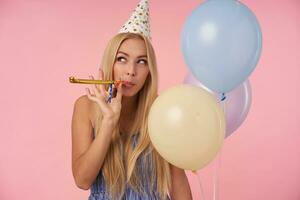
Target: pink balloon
[236,104]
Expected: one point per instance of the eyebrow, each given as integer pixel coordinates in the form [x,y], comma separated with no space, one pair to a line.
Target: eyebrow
[128,55]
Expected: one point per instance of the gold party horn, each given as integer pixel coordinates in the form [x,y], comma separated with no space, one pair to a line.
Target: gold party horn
[72,79]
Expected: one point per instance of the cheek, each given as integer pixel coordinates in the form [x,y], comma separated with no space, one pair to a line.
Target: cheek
[117,71]
[144,75]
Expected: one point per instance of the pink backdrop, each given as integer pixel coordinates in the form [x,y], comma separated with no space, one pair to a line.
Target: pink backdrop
[42,43]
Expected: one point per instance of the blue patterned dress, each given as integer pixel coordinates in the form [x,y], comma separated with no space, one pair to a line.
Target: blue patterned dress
[98,192]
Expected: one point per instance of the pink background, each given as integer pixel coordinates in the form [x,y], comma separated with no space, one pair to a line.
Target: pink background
[42,43]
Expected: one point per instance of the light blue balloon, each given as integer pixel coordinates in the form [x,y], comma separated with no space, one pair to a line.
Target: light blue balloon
[221,42]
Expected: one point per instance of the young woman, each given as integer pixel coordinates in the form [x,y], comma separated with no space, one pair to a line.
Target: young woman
[112,154]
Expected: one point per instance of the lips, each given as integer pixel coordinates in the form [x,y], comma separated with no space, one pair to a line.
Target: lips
[128,85]
[124,83]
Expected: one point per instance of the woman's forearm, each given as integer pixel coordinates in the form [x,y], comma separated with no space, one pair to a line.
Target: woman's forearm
[88,165]
[183,190]
[180,185]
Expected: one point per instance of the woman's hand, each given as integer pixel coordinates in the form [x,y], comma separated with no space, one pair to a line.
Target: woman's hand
[111,111]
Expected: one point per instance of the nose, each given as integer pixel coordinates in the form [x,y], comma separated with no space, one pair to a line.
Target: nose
[131,70]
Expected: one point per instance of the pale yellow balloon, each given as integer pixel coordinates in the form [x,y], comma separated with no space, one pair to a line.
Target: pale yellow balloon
[187,126]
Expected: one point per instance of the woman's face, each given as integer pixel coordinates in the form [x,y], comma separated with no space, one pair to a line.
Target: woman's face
[131,65]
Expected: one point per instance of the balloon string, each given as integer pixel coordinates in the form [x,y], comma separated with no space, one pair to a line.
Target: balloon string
[201,188]
[218,166]
[217,176]
[223,104]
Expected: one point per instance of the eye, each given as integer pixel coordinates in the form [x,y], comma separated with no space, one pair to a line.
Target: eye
[120,58]
[145,61]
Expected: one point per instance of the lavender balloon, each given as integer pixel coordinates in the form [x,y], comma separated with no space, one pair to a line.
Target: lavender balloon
[236,104]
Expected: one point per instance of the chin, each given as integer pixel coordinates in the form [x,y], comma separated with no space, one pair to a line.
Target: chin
[129,93]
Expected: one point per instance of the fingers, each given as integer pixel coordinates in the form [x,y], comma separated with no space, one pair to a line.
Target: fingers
[95,88]
[117,83]
[90,95]
[114,92]
[119,92]
[101,94]
[99,90]
[101,86]
[100,101]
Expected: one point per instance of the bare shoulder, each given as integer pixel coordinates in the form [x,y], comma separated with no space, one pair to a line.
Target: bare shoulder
[85,106]
[83,101]
[82,130]
[81,113]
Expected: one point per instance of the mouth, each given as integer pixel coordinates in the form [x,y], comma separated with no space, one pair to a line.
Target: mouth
[128,84]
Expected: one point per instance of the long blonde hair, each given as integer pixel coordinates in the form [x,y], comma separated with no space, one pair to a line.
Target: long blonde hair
[117,172]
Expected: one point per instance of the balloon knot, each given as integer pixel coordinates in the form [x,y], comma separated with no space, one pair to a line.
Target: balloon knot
[223,97]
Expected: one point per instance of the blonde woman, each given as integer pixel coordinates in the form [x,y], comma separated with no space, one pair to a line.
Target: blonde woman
[112,154]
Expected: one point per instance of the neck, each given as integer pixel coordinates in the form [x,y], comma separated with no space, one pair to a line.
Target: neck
[129,106]
[128,111]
